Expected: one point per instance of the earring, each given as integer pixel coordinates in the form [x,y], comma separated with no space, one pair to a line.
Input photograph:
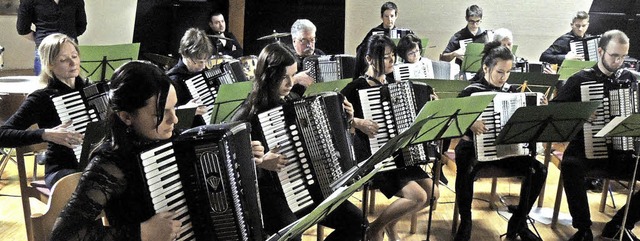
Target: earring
[128,130]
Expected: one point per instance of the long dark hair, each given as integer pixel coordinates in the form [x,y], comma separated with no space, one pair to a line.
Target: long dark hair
[272,66]
[375,51]
[130,87]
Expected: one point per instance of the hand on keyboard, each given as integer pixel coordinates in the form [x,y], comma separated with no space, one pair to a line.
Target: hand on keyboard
[63,136]
[273,161]
[160,227]
[367,126]
[574,56]
[478,127]
[258,152]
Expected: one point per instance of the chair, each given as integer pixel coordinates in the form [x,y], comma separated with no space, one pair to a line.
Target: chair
[42,224]
[99,61]
[29,189]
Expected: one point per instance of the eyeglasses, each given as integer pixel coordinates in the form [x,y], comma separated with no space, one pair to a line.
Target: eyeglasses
[474,21]
[617,57]
[307,41]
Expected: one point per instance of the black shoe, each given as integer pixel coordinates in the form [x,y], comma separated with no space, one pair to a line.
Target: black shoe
[612,231]
[527,235]
[464,230]
[582,235]
[517,228]
[443,178]
[594,185]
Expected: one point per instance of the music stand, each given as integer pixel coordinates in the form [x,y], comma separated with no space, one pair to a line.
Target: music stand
[550,123]
[229,99]
[570,67]
[445,88]
[625,127]
[472,61]
[320,87]
[449,118]
[99,57]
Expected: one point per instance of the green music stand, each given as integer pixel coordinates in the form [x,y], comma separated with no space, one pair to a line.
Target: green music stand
[625,127]
[230,98]
[536,82]
[570,67]
[472,61]
[425,45]
[445,88]
[320,87]
[99,61]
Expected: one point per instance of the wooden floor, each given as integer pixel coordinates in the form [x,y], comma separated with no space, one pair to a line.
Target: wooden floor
[488,224]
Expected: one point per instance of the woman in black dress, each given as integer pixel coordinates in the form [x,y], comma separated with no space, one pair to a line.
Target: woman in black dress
[412,185]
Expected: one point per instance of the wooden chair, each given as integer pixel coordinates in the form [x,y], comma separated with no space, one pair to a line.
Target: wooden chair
[61,192]
[27,188]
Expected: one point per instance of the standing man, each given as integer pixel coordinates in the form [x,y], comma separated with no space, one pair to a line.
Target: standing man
[560,50]
[52,16]
[218,26]
[303,38]
[471,33]
[613,47]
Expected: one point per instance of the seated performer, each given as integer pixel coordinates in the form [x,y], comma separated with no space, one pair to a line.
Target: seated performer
[142,112]
[222,47]
[410,51]
[496,65]
[60,73]
[560,49]
[195,51]
[613,47]
[303,37]
[274,79]
[412,185]
[471,33]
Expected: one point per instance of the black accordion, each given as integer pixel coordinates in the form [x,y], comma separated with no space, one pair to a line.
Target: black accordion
[619,101]
[82,107]
[394,107]
[312,133]
[325,68]
[588,47]
[495,116]
[206,175]
[205,85]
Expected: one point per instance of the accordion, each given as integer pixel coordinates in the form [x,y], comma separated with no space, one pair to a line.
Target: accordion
[325,68]
[207,177]
[588,47]
[621,101]
[82,107]
[396,33]
[312,133]
[495,116]
[205,85]
[418,70]
[394,107]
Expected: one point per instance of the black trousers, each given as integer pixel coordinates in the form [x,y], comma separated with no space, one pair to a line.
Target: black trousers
[346,219]
[574,168]
[468,167]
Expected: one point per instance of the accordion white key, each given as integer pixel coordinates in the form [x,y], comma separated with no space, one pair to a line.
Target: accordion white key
[587,47]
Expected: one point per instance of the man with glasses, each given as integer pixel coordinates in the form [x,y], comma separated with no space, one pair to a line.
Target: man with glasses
[303,38]
[560,49]
[613,47]
[195,50]
[471,33]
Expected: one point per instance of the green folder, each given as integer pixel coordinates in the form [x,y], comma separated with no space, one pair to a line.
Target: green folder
[97,62]
[230,98]
[570,67]
[336,85]
[449,118]
[445,88]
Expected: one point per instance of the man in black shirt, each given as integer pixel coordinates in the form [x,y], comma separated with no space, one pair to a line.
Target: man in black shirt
[303,38]
[218,26]
[471,33]
[67,17]
[613,47]
[560,50]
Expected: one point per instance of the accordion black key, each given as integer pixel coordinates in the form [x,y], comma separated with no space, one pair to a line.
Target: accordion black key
[588,47]
[324,68]
[312,133]
[82,107]
[205,85]
[208,178]
[394,107]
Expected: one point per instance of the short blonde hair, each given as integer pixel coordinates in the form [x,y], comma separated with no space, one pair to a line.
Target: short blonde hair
[49,49]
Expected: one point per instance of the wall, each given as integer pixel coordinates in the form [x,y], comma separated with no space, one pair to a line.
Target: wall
[108,22]
[535,24]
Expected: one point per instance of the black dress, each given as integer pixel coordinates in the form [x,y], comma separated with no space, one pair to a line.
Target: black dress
[389,182]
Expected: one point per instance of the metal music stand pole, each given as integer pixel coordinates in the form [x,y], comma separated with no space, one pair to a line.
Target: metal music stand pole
[625,127]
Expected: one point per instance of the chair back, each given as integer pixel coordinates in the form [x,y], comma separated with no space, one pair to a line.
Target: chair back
[60,194]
